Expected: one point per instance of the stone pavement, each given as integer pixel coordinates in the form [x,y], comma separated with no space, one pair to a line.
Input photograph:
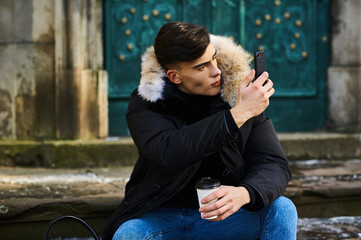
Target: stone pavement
[323,190]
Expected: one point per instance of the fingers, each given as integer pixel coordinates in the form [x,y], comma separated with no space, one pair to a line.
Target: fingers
[268,83]
[216,205]
[216,209]
[222,209]
[229,199]
[262,79]
[219,207]
[220,213]
[265,85]
[270,93]
[269,88]
[214,196]
[222,216]
[248,79]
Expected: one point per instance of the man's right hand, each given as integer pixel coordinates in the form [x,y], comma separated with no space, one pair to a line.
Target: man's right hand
[253,98]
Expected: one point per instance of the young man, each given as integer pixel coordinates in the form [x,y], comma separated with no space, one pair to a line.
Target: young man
[196,114]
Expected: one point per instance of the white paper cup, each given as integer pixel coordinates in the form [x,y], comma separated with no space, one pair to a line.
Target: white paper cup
[204,187]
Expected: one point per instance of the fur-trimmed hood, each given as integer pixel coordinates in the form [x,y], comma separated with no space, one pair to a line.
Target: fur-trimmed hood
[232,59]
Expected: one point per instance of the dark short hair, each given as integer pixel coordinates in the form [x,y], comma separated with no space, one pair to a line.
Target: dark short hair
[180,42]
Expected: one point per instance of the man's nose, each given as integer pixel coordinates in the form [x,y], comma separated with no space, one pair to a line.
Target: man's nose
[215,70]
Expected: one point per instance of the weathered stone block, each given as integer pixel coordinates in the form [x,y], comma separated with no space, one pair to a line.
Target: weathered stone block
[94,107]
[44,76]
[68,98]
[344,98]
[26,20]
[45,106]
[43,21]
[103,104]
[25,117]
[7,127]
[6,115]
[17,79]
[89,111]
[23,20]
[6,17]
[82,104]
[28,78]
[34,105]
[43,58]
[17,68]
[346,32]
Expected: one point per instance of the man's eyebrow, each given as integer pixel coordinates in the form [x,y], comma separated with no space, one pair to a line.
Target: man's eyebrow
[203,63]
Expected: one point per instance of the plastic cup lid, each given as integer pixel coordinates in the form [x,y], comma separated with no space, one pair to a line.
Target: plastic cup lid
[208,183]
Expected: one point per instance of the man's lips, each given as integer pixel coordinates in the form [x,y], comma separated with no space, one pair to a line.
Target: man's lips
[216,84]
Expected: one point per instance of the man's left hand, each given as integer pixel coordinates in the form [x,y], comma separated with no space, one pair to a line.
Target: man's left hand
[230,200]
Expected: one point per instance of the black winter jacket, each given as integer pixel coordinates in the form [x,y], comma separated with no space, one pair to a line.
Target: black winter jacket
[174,135]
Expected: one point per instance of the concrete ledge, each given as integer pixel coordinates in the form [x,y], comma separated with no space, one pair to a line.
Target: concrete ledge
[122,151]
[68,154]
[302,146]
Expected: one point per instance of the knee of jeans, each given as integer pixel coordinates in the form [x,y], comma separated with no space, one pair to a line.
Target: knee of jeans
[130,230]
[286,208]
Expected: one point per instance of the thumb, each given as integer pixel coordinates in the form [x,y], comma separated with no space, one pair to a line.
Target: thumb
[248,79]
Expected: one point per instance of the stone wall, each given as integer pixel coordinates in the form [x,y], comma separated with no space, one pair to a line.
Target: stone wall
[26,69]
[344,74]
[52,83]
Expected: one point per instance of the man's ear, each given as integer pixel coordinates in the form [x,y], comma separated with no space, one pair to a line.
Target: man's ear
[173,76]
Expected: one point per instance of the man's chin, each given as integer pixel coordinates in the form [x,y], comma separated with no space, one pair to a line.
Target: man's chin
[214,91]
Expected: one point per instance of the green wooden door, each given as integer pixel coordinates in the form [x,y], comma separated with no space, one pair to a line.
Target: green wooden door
[294,34]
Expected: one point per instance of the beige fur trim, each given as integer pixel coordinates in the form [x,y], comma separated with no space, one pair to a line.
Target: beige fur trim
[151,81]
[233,61]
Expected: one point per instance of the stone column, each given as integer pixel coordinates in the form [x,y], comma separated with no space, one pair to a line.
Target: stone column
[27,69]
[344,74]
[81,82]
[52,82]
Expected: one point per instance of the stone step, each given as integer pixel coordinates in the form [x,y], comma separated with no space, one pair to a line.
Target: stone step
[329,228]
[31,197]
[326,188]
[122,152]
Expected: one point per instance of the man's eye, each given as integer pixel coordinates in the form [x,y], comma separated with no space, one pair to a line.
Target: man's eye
[201,67]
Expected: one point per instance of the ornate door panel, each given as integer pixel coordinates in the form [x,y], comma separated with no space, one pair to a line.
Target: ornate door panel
[293,33]
[286,33]
[130,27]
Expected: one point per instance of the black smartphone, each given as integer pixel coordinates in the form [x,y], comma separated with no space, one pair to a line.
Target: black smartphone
[259,63]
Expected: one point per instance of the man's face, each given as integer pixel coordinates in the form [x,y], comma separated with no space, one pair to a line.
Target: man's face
[201,76]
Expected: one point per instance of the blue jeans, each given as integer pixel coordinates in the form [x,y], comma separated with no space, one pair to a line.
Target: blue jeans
[277,221]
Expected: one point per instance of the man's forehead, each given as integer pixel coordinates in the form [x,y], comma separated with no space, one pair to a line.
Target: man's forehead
[208,53]
[207,56]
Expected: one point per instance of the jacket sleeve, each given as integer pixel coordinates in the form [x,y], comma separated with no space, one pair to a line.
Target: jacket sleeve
[160,141]
[267,166]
